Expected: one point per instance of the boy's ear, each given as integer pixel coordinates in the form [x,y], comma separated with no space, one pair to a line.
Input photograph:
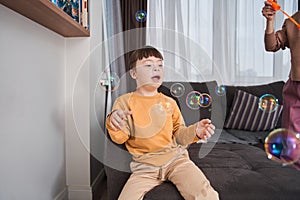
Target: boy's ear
[132,73]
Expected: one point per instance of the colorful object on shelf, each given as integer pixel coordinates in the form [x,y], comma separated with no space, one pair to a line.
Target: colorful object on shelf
[54,2]
[109,81]
[177,89]
[276,7]
[71,7]
[268,103]
[141,15]
[283,146]
[60,3]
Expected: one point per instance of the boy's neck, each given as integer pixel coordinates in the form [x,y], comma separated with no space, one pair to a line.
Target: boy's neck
[144,92]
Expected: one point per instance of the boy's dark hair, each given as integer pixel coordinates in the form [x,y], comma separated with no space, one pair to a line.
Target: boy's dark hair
[141,53]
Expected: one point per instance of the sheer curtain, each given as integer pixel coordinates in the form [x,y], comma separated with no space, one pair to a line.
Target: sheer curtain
[111,71]
[218,39]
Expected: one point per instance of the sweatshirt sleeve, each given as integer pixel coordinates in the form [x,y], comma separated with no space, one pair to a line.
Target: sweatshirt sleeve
[184,135]
[275,41]
[118,136]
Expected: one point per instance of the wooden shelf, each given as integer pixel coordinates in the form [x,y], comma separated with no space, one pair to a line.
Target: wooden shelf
[47,14]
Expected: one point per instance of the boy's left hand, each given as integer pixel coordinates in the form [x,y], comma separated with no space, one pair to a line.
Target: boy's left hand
[205,129]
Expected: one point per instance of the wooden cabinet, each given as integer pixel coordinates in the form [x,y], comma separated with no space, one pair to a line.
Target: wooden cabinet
[47,14]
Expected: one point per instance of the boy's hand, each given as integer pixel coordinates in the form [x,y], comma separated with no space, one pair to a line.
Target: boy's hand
[117,118]
[205,129]
[268,12]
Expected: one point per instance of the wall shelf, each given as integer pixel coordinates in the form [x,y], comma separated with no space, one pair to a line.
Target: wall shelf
[47,14]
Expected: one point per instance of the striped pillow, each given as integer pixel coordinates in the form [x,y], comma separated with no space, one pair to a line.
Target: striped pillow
[246,115]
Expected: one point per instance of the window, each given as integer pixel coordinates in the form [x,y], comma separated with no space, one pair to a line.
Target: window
[229,33]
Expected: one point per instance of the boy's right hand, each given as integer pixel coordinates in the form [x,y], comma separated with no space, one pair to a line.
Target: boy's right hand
[117,118]
[268,12]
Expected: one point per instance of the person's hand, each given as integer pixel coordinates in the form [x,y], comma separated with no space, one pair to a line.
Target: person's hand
[268,12]
[205,129]
[117,119]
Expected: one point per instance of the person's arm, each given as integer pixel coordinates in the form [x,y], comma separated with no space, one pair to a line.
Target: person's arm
[116,123]
[269,13]
[184,135]
[201,130]
[273,41]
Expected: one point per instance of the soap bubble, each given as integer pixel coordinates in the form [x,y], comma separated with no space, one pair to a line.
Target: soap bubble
[177,89]
[109,81]
[283,146]
[205,100]
[140,15]
[220,90]
[193,100]
[268,103]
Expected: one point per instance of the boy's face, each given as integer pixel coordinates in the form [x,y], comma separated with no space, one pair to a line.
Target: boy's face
[148,72]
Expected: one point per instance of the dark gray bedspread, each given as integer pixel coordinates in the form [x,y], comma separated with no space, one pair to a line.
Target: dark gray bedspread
[238,171]
[237,167]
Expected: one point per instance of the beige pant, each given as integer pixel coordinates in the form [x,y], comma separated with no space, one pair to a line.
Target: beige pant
[188,178]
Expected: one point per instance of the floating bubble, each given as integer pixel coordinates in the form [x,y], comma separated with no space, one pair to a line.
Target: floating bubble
[109,81]
[141,15]
[177,89]
[283,146]
[193,100]
[220,90]
[205,100]
[268,103]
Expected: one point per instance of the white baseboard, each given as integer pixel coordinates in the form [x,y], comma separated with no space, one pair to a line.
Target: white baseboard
[80,193]
[63,195]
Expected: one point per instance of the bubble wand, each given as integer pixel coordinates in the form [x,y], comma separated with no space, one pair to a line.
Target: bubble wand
[276,7]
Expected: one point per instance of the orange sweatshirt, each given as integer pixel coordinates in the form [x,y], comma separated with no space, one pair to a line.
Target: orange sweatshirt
[155,132]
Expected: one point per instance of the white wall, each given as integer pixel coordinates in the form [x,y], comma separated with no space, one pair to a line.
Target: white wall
[45,108]
[32,98]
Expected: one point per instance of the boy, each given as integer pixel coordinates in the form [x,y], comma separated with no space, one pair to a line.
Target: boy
[288,36]
[152,128]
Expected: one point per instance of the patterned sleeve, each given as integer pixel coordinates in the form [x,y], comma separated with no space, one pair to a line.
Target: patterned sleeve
[119,136]
[275,41]
[184,135]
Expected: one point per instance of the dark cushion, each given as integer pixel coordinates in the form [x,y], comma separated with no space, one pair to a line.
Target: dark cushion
[245,114]
[252,137]
[117,160]
[274,88]
[115,181]
[216,111]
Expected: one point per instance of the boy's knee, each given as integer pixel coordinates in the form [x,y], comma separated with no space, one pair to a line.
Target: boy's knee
[204,194]
[207,192]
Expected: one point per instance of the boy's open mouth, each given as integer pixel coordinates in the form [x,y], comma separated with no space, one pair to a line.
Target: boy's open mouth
[155,78]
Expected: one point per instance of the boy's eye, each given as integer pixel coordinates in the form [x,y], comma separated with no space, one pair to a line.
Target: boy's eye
[149,65]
